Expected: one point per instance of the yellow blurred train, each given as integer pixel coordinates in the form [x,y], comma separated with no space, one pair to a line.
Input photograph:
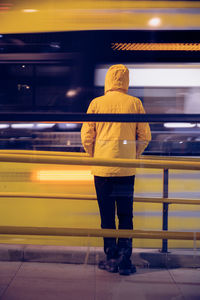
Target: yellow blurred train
[53,60]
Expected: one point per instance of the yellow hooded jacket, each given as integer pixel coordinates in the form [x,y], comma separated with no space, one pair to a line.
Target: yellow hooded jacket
[115,140]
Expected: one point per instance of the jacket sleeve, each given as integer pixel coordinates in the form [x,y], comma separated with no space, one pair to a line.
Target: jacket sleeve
[88,133]
[143,134]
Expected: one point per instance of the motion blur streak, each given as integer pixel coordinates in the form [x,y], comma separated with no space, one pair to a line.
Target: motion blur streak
[59,15]
[63,175]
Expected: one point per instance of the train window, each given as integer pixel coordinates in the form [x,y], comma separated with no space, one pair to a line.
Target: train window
[16,86]
[31,86]
[162,88]
[53,82]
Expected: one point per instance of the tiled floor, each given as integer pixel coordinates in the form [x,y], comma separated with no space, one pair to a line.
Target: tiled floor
[35,281]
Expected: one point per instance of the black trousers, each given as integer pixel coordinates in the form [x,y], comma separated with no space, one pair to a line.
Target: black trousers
[116,194]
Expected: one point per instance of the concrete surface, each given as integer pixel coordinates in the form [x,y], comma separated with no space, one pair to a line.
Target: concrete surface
[49,281]
[81,255]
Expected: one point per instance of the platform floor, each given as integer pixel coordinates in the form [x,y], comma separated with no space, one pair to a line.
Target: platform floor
[31,281]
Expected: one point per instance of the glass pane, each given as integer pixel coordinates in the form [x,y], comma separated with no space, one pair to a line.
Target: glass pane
[53,83]
[16,86]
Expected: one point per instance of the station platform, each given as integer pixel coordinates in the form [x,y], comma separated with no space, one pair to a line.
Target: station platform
[145,258]
[49,281]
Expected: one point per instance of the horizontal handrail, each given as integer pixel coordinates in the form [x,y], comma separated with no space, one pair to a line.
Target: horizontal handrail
[83,117]
[167,200]
[171,158]
[58,231]
[39,152]
[83,154]
[93,197]
[90,161]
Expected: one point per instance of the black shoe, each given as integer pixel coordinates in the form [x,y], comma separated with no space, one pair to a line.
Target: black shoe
[133,269]
[110,265]
[126,267]
[102,264]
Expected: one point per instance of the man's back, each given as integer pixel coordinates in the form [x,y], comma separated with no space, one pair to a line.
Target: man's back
[114,140]
[115,102]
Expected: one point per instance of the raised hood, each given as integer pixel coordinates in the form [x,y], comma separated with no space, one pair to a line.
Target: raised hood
[117,78]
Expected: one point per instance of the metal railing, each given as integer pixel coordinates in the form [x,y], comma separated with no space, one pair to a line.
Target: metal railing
[122,233]
[46,157]
[90,161]
[91,197]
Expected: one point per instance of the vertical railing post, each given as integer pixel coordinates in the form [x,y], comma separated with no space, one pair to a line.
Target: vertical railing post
[165,209]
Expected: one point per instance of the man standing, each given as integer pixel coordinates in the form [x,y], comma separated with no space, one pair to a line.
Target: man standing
[115,185]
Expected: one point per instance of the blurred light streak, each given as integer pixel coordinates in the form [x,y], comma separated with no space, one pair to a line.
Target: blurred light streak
[71,93]
[44,125]
[70,125]
[179,125]
[156,76]
[2,126]
[62,175]
[22,126]
[30,10]
[5,6]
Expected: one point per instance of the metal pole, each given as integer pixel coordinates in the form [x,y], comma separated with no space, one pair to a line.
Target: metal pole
[165,209]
